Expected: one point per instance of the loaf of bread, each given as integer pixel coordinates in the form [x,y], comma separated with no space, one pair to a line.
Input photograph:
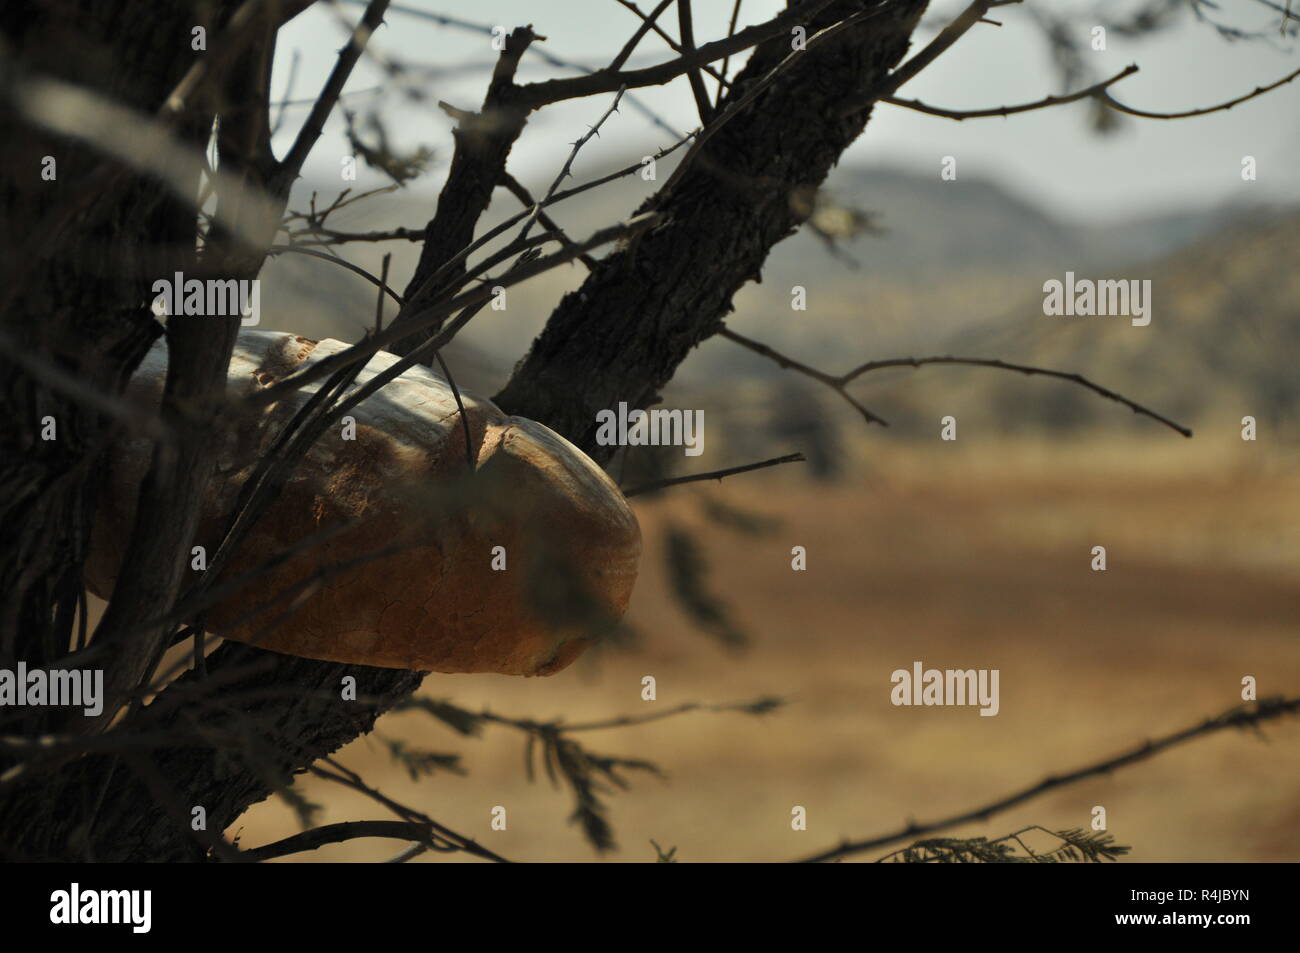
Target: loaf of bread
[512,567]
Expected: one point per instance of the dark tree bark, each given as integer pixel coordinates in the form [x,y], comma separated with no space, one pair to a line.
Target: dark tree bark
[483,142]
[622,334]
[226,747]
[620,337]
[79,304]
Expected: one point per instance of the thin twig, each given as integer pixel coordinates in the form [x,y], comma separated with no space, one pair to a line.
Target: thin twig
[379,298]
[315,124]
[341,262]
[415,850]
[1023,369]
[722,71]
[687,30]
[1142,113]
[1249,715]
[936,47]
[532,206]
[715,474]
[647,23]
[536,95]
[834,383]
[760,706]
[839,383]
[437,310]
[348,778]
[318,837]
[460,406]
[566,169]
[333,237]
[1045,103]
[553,60]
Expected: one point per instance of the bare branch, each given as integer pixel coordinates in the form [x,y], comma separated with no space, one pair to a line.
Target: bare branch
[834,383]
[460,406]
[318,837]
[759,706]
[1250,715]
[333,237]
[438,310]
[341,262]
[1045,103]
[838,383]
[722,71]
[540,53]
[1142,113]
[348,778]
[647,23]
[1023,369]
[315,123]
[950,34]
[509,223]
[688,47]
[379,298]
[533,207]
[566,169]
[535,95]
[715,474]
[483,143]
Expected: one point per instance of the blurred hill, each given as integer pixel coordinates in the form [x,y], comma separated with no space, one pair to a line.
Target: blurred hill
[944,267]
[1226,321]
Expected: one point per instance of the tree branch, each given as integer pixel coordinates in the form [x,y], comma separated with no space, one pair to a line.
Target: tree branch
[840,382]
[566,169]
[483,143]
[318,837]
[533,207]
[1045,103]
[536,95]
[1250,715]
[722,70]
[950,34]
[1106,98]
[687,30]
[834,383]
[436,312]
[1023,369]
[311,130]
[665,302]
[715,474]
[647,24]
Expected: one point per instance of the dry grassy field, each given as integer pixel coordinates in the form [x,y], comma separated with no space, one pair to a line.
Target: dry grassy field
[958,558]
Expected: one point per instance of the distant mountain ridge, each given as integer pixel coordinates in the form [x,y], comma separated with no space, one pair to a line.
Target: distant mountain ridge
[1222,343]
[953,266]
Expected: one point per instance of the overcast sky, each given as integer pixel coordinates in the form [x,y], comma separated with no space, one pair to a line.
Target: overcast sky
[1049,156]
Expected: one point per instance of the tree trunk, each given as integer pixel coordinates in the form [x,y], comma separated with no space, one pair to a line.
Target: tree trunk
[620,337]
[77,303]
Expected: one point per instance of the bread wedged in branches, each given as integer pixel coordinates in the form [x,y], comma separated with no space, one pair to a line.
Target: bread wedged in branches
[382,547]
